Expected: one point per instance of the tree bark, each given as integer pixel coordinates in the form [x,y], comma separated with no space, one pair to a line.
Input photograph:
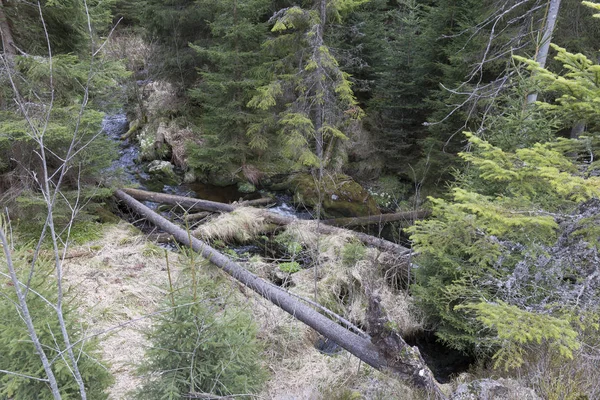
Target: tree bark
[194,204]
[577,130]
[213,206]
[6,34]
[185,202]
[409,365]
[197,216]
[358,346]
[542,54]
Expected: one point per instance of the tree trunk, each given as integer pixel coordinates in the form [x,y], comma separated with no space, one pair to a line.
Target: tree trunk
[358,346]
[409,216]
[577,130]
[197,216]
[213,206]
[190,203]
[542,54]
[185,202]
[6,34]
[320,95]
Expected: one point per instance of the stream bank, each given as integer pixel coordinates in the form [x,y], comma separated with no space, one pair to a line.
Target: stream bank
[134,172]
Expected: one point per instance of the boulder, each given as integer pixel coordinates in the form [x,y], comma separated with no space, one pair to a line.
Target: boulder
[163,171]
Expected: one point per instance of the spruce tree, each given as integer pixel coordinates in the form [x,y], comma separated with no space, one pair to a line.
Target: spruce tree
[309,97]
[227,80]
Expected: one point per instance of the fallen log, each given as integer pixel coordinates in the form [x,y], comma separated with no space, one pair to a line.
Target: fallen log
[185,202]
[356,345]
[264,201]
[408,216]
[373,241]
[160,238]
[272,217]
[196,217]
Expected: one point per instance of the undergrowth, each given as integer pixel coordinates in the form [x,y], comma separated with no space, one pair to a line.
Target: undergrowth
[205,343]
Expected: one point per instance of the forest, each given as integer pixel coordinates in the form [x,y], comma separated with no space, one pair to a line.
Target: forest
[318,199]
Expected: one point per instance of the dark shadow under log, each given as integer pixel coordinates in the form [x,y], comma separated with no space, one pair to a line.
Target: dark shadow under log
[358,346]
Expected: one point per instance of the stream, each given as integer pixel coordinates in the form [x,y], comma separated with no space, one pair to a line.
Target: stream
[443,361]
[132,171]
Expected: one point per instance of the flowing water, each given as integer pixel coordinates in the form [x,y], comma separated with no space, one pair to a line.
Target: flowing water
[129,167]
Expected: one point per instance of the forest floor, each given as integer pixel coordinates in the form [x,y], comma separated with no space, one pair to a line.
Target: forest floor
[121,279]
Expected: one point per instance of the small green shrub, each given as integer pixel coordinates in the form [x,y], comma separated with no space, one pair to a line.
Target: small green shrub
[203,346]
[352,253]
[289,245]
[290,267]
[17,352]
[520,331]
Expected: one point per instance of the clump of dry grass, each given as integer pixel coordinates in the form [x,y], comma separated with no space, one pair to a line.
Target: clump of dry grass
[341,283]
[241,225]
[120,280]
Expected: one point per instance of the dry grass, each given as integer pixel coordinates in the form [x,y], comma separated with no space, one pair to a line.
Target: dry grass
[341,287]
[124,279]
[300,372]
[240,225]
[121,281]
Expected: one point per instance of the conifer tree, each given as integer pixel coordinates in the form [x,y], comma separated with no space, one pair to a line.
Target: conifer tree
[227,80]
[309,96]
[498,220]
[173,25]
[397,78]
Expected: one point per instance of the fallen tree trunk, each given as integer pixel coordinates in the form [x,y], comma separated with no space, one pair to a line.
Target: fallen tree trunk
[409,216]
[264,201]
[197,216]
[213,206]
[381,244]
[185,202]
[360,347]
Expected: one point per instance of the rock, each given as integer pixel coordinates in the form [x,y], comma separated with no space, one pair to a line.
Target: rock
[158,166]
[189,177]
[490,389]
[342,196]
[246,187]
[220,178]
[164,171]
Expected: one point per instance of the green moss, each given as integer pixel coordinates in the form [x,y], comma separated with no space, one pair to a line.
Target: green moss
[86,231]
[81,232]
[246,187]
[290,267]
[339,195]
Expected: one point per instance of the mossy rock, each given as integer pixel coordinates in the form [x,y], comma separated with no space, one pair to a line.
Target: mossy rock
[163,172]
[219,178]
[342,196]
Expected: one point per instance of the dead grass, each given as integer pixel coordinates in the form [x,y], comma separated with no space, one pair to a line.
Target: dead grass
[122,280]
[240,225]
[124,277]
[341,287]
[300,372]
